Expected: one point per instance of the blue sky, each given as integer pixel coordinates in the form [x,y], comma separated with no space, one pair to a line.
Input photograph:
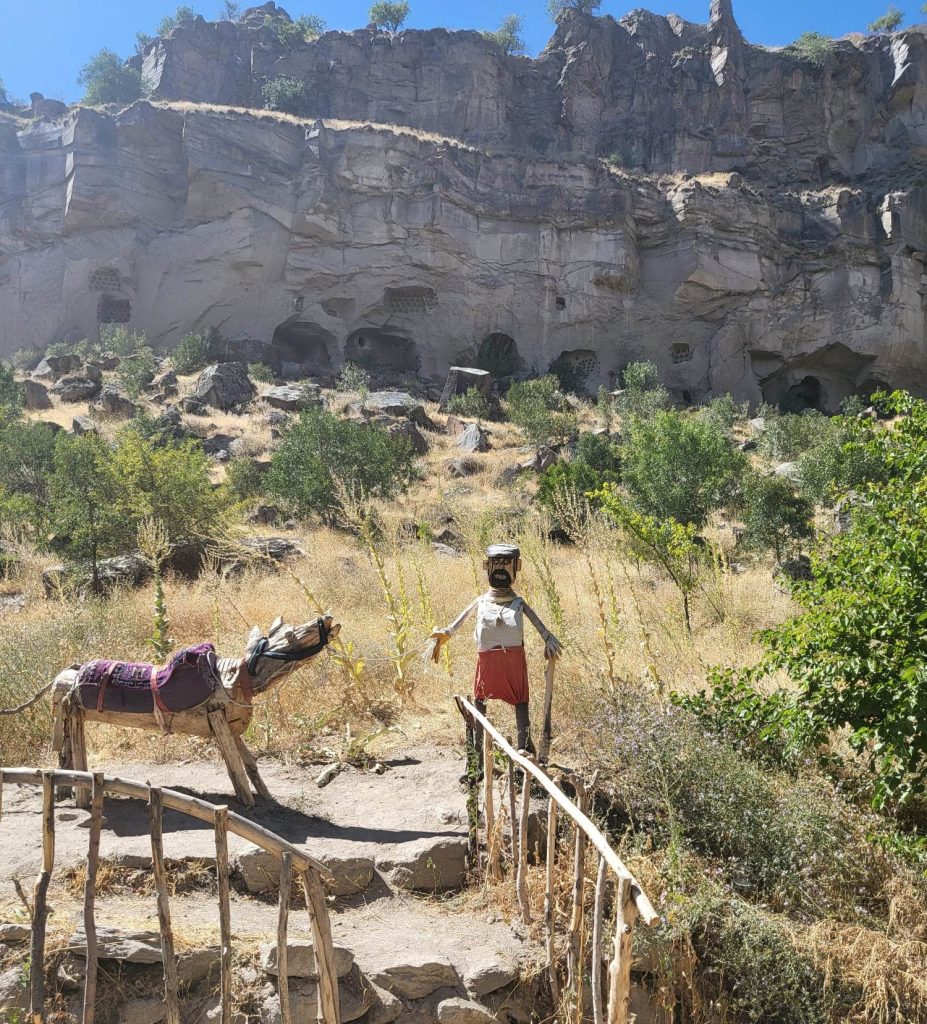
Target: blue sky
[44,43]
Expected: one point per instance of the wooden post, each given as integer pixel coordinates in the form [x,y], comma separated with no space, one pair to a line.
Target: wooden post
[171,996]
[283,915]
[78,743]
[494,869]
[39,904]
[225,741]
[90,893]
[597,914]
[574,958]
[513,816]
[250,763]
[522,876]
[225,919]
[619,989]
[329,1011]
[550,903]
[547,721]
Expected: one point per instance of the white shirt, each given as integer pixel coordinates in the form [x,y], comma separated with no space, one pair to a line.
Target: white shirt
[499,625]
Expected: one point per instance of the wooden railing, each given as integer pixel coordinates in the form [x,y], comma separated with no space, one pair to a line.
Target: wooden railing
[628,900]
[292,859]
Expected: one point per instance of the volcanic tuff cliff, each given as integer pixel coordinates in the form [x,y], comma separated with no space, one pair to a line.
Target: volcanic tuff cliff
[761,226]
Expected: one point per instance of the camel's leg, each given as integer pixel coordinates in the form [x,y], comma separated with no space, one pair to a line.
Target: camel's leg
[260,787]
[79,754]
[61,742]
[227,747]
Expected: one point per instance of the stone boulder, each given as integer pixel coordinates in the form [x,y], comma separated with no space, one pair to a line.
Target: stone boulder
[53,367]
[75,388]
[790,471]
[264,515]
[458,469]
[92,372]
[793,570]
[459,381]
[414,975]
[457,1010]
[427,865]
[408,431]
[112,402]
[193,406]
[83,425]
[301,959]
[482,977]
[277,549]
[473,439]
[397,403]
[260,871]
[121,571]
[293,397]
[35,395]
[133,947]
[225,386]
[217,446]
[355,996]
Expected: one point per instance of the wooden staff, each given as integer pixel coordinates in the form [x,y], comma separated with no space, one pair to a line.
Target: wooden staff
[513,817]
[550,902]
[225,918]
[619,993]
[597,915]
[489,811]
[329,1010]
[171,996]
[283,952]
[574,958]
[522,877]
[90,892]
[547,722]
[39,904]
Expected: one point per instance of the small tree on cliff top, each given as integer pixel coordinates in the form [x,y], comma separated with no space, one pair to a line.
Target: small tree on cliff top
[554,7]
[889,21]
[508,35]
[107,79]
[389,14]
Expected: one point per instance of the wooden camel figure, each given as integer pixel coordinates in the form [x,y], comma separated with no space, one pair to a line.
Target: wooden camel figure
[194,694]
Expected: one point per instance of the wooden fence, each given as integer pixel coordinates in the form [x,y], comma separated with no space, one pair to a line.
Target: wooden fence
[292,860]
[628,901]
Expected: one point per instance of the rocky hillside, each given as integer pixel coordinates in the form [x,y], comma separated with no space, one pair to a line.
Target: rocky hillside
[759,225]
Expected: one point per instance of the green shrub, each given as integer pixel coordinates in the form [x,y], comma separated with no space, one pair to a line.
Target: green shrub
[321,451]
[723,412]
[27,452]
[599,452]
[565,488]
[813,47]
[642,394]
[532,405]
[291,33]
[261,372]
[840,461]
[508,36]
[775,517]
[287,95]
[244,479]
[11,394]
[679,467]
[137,371]
[389,14]
[554,7]
[470,403]
[787,435]
[195,351]
[888,22]
[353,378]
[107,79]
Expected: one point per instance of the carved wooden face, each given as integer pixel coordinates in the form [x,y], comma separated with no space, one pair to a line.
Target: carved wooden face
[501,571]
[286,639]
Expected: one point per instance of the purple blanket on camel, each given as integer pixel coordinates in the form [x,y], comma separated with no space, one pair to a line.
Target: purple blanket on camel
[186,681]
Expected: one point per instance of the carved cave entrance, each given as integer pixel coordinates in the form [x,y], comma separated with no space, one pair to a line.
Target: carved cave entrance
[304,344]
[576,368]
[498,354]
[380,350]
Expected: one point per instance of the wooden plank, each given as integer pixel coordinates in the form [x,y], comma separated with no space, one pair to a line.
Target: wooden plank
[78,752]
[598,840]
[619,994]
[513,816]
[225,917]
[494,868]
[175,801]
[521,882]
[550,902]
[90,895]
[329,1009]
[40,904]
[283,916]
[547,726]
[598,912]
[229,751]
[574,941]
[171,995]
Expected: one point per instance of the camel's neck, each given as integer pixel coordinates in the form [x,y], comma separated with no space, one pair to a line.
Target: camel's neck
[232,671]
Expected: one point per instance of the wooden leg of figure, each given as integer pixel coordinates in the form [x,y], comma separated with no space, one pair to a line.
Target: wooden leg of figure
[79,755]
[61,743]
[229,751]
[250,763]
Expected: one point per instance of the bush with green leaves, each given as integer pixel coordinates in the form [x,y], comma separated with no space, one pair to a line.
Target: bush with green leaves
[261,372]
[534,407]
[389,14]
[244,479]
[470,403]
[195,351]
[840,461]
[568,488]
[786,435]
[813,47]
[888,22]
[642,393]
[353,378]
[321,453]
[106,78]
[288,95]
[723,412]
[303,29]
[554,7]
[27,452]
[679,467]
[137,370]
[508,36]
[11,394]
[775,517]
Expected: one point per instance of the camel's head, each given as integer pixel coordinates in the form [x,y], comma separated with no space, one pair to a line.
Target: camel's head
[285,646]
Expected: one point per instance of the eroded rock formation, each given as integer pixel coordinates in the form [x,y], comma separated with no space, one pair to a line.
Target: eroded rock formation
[791,263]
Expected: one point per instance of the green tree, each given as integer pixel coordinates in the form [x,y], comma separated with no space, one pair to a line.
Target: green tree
[813,47]
[27,452]
[136,371]
[775,517]
[231,11]
[84,500]
[389,14]
[287,95]
[170,21]
[840,460]
[858,650]
[11,394]
[321,451]
[554,7]
[107,79]
[533,405]
[888,22]
[194,351]
[642,393]
[679,467]
[508,36]
[471,403]
[291,33]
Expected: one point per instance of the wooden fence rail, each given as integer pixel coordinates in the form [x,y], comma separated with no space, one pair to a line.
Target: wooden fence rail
[629,901]
[223,821]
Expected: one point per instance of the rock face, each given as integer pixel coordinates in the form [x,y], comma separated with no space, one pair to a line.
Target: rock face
[224,385]
[793,269]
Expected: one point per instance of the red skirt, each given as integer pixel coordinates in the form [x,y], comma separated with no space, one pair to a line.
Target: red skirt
[502,674]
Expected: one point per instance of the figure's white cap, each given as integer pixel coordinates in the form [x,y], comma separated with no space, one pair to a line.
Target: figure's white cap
[503,551]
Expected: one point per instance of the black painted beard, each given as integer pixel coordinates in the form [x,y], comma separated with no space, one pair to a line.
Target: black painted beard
[500,578]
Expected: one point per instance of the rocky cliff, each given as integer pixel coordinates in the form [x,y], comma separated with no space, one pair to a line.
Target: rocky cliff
[308,242]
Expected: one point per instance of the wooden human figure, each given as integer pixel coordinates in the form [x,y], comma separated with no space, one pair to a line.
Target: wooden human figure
[501,667]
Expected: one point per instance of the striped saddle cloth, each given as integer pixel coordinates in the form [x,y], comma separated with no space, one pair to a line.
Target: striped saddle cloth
[186,681]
